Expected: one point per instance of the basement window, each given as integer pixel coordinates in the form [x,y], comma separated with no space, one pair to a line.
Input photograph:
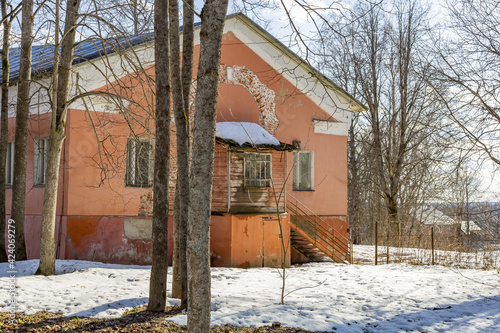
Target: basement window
[257,170]
[41,160]
[139,162]
[303,171]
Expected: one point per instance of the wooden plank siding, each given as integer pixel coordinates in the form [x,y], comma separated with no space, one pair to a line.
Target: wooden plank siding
[256,199]
[229,195]
[220,181]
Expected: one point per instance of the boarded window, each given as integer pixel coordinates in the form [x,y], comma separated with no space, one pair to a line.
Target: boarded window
[257,170]
[9,167]
[41,159]
[303,170]
[139,162]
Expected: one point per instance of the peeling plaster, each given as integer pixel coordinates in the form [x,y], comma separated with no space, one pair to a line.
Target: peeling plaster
[289,99]
[263,95]
[137,229]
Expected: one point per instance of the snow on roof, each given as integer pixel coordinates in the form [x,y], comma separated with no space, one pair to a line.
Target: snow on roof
[472,227]
[430,215]
[243,132]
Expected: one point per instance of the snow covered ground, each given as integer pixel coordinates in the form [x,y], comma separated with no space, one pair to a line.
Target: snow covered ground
[480,259]
[322,296]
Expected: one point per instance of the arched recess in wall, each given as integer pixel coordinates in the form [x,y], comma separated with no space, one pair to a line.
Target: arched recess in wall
[263,96]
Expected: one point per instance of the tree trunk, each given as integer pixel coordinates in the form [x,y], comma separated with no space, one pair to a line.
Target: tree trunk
[57,136]
[4,125]
[180,94]
[353,198]
[47,235]
[187,54]
[394,223]
[22,116]
[176,255]
[158,281]
[200,190]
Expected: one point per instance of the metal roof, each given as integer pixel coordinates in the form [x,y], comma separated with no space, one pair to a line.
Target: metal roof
[43,55]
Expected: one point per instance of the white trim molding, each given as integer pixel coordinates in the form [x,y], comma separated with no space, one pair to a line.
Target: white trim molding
[330,127]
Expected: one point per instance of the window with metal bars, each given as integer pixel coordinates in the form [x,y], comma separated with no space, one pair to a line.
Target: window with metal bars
[41,160]
[303,170]
[139,162]
[257,170]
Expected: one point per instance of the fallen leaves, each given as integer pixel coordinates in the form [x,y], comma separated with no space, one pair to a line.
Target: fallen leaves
[136,320]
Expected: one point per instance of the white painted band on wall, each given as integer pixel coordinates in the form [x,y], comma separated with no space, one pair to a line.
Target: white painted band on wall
[330,127]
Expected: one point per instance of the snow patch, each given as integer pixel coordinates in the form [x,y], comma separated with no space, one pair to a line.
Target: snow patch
[243,132]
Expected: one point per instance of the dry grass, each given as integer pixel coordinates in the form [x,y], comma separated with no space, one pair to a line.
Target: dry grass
[137,320]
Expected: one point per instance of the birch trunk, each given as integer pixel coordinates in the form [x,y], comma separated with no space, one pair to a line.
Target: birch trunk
[200,190]
[158,281]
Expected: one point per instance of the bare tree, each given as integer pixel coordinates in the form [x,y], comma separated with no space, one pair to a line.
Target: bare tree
[22,115]
[134,16]
[200,187]
[60,102]
[61,80]
[158,281]
[463,187]
[467,69]
[181,83]
[90,22]
[7,18]
[380,49]
[4,125]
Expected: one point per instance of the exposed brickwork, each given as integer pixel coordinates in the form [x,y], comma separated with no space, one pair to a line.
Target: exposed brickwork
[146,207]
[264,96]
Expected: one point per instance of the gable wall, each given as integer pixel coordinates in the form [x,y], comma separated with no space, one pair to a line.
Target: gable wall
[295,112]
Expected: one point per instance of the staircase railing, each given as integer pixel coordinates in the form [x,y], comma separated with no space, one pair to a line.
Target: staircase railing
[319,233]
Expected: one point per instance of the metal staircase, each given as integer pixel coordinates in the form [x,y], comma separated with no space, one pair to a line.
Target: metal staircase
[313,237]
[306,248]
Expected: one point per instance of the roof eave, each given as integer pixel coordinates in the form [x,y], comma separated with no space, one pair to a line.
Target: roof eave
[356,106]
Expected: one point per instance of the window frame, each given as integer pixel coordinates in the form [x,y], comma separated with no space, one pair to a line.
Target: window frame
[268,164]
[298,173]
[132,180]
[9,164]
[40,179]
